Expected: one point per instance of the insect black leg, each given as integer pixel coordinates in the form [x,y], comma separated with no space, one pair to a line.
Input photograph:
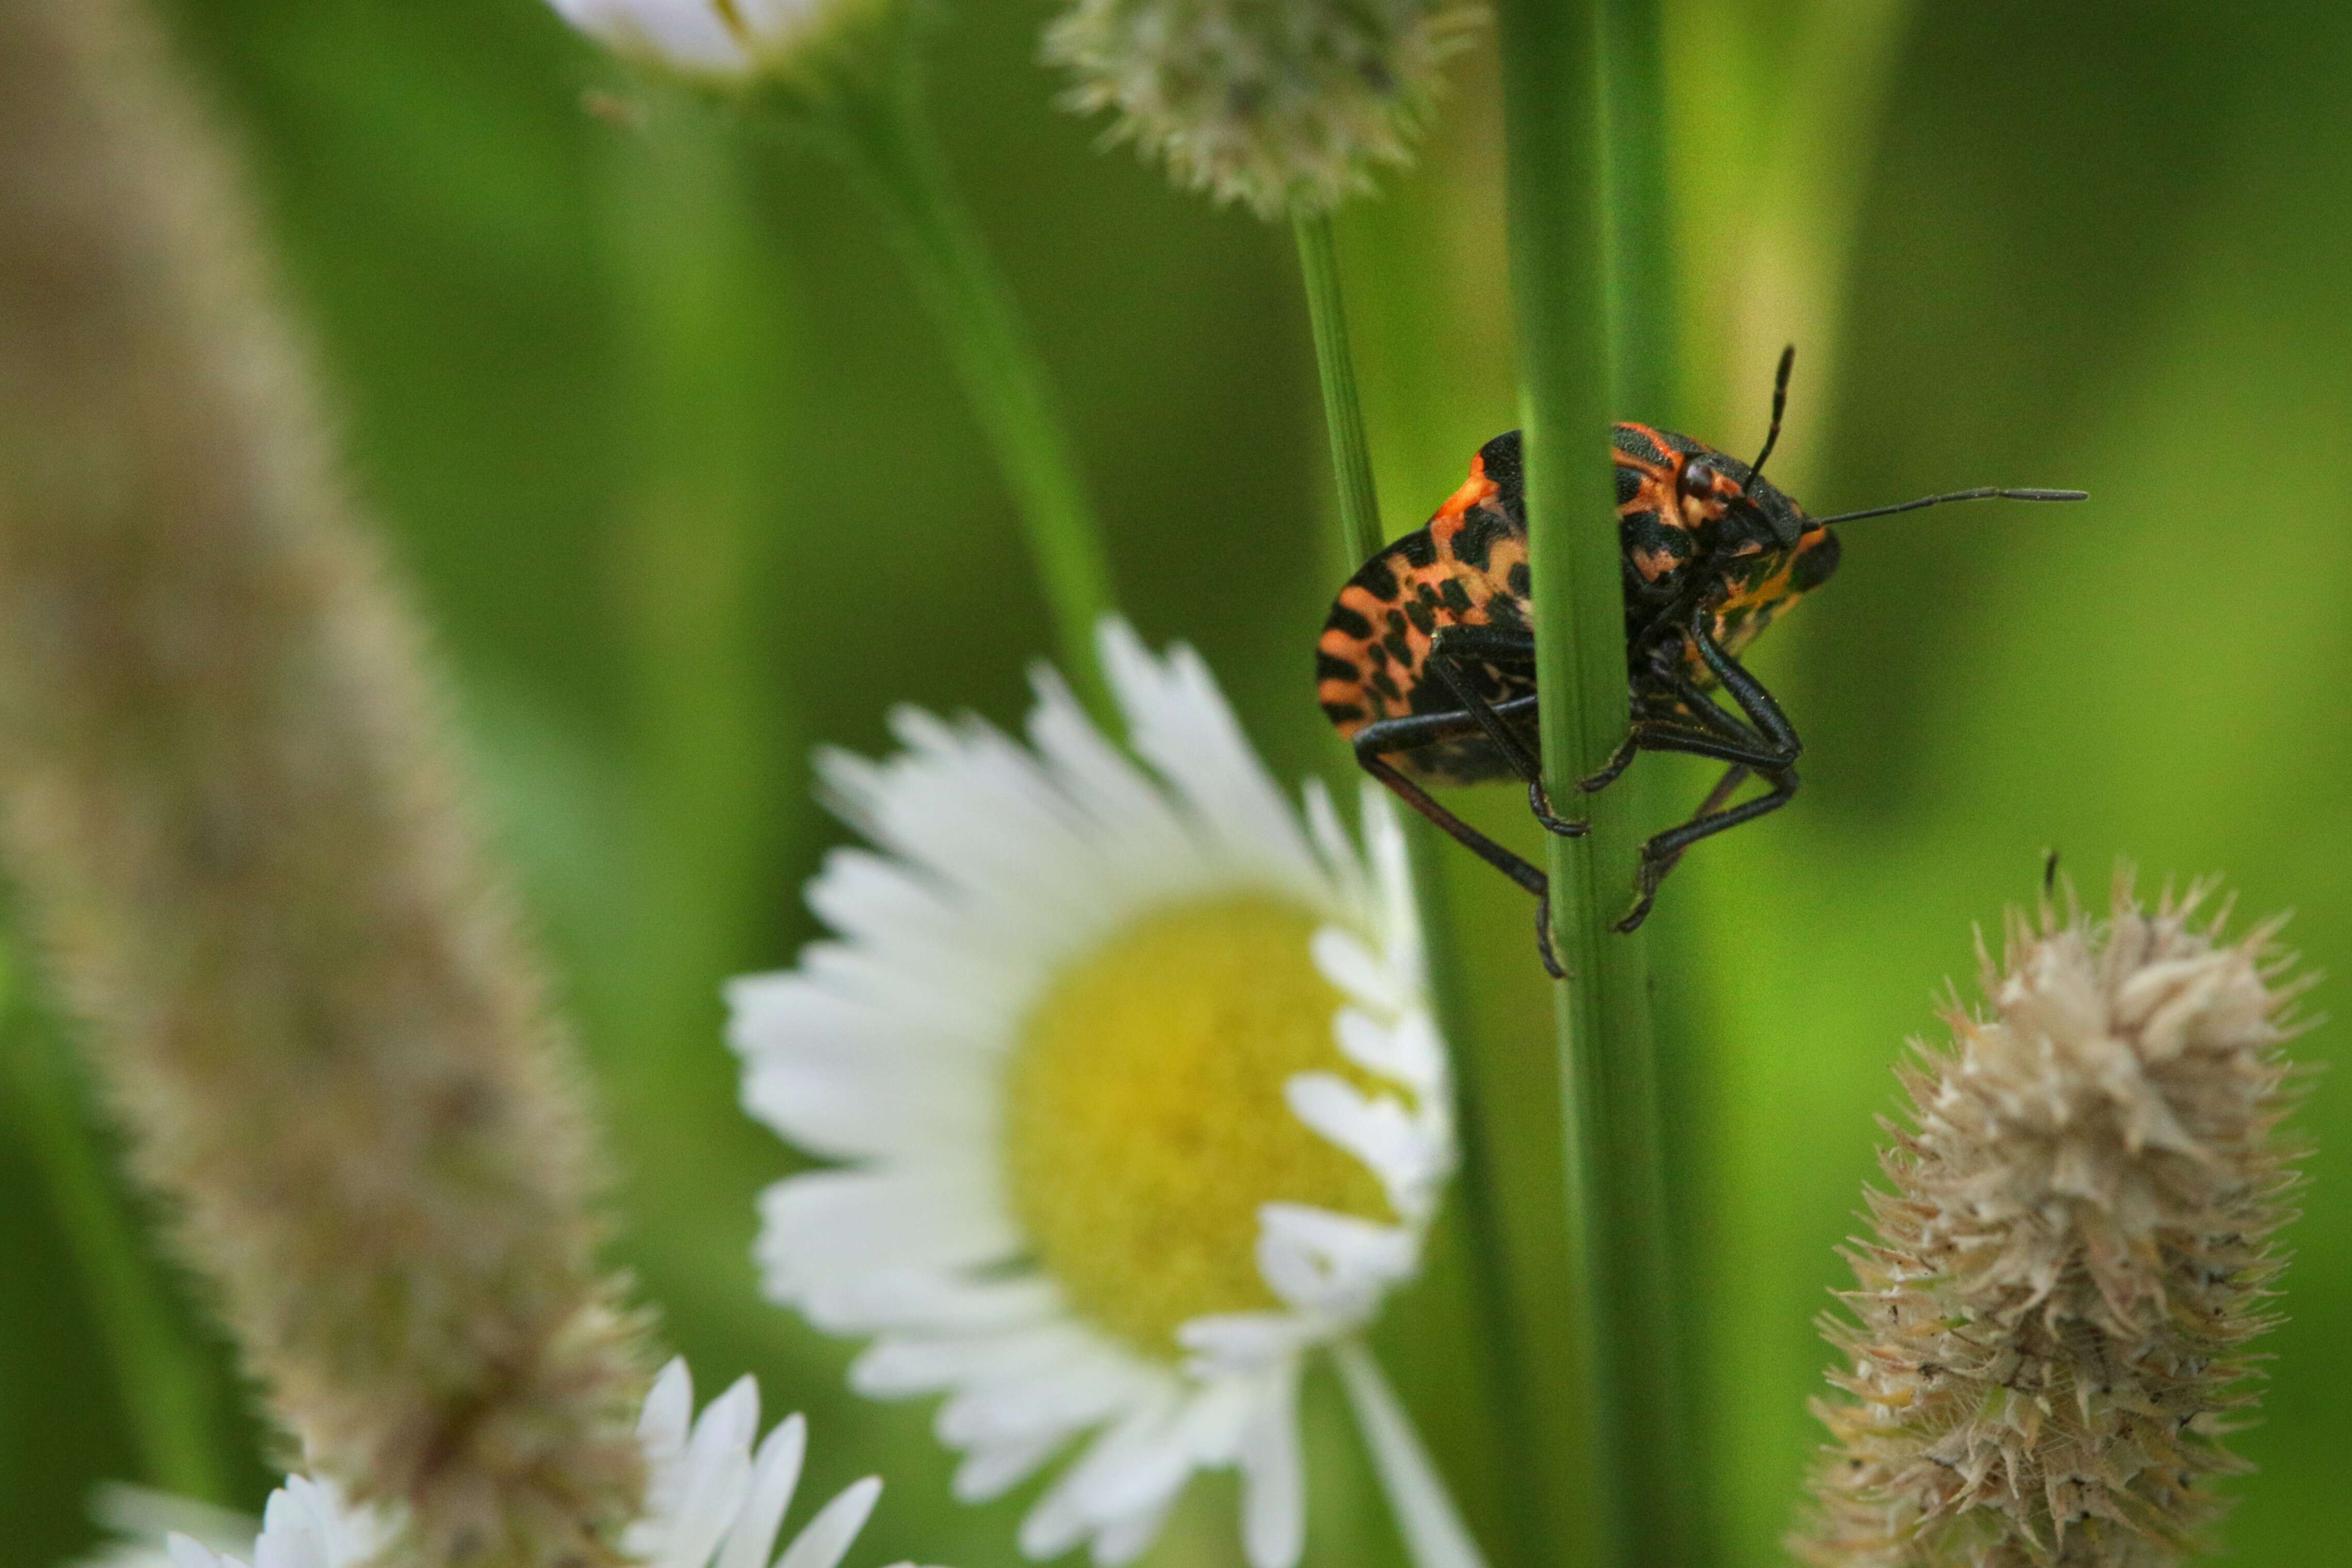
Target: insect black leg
[1446,652]
[1493,644]
[1660,855]
[1619,761]
[1746,689]
[1766,744]
[1388,735]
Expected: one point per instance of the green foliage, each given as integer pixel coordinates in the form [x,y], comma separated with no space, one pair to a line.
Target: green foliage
[2097,244]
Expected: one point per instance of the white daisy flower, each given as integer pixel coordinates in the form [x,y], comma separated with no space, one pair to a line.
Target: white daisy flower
[724,40]
[712,1501]
[1051,1043]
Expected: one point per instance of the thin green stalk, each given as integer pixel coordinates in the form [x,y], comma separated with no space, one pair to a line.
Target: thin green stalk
[1335,364]
[884,136]
[1360,535]
[1632,1500]
[709,353]
[170,1401]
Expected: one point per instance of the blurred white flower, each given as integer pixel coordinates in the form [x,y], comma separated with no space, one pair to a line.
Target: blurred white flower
[712,1501]
[1053,1043]
[720,39]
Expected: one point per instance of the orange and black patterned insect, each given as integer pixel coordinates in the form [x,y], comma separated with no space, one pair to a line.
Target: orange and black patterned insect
[1427,665]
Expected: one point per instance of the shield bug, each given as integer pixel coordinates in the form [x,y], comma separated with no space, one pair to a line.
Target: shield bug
[1426,664]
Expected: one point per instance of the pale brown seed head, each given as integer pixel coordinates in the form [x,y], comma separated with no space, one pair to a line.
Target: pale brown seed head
[2047,1331]
[237,830]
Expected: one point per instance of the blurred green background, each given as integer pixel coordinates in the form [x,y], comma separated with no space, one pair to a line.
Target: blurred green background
[683,481]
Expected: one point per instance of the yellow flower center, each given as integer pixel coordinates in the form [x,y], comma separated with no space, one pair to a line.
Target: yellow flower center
[1145,1120]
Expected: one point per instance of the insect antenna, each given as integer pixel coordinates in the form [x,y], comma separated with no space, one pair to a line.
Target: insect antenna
[1986,492]
[1779,406]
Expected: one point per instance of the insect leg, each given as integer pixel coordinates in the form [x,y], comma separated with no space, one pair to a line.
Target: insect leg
[1446,652]
[1388,735]
[1493,644]
[1661,853]
[1746,689]
[1766,744]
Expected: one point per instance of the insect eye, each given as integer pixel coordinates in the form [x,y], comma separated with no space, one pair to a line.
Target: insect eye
[1698,478]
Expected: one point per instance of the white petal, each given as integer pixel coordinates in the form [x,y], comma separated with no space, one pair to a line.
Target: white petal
[1334,1265]
[1273,1483]
[1135,1464]
[187,1554]
[718,1475]
[773,23]
[1052,1527]
[775,1474]
[918,1298]
[1379,1132]
[990,1469]
[1127,809]
[1243,1343]
[1392,869]
[826,1225]
[1179,721]
[828,1536]
[686,35]
[669,1413]
[1360,976]
[1407,1053]
[1341,861]
[1061,1398]
[1123,1540]
[898,1366]
[855,1109]
[1425,1515]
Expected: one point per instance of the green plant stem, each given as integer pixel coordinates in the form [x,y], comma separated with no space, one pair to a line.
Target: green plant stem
[1645,316]
[1644,302]
[1632,1496]
[169,1400]
[1360,535]
[882,133]
[1335,366]
[709,353]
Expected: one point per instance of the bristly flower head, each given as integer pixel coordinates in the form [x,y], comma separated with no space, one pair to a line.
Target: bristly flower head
[2049,1328]
[1285,105]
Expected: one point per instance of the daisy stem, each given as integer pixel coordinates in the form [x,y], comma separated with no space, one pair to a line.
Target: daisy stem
[1343,410]
[711,351]
[168,1400]
[882,136]
[1621,1416]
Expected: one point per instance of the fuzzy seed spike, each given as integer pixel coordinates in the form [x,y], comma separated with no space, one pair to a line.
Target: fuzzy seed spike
[231,809]
[2048,1339]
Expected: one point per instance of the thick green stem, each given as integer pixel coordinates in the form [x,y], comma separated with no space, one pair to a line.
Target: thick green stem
[885,137]
[169,1401]
[1645,319]
[1631,1497]
[1645,296]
